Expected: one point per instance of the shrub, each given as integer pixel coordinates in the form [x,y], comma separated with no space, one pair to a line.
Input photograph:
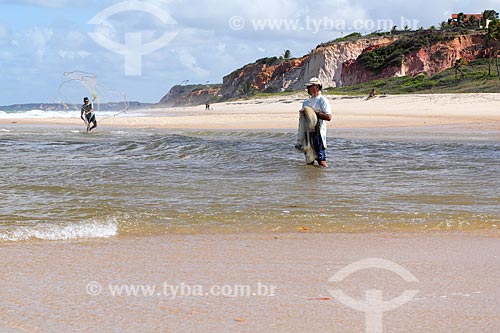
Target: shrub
[393,54]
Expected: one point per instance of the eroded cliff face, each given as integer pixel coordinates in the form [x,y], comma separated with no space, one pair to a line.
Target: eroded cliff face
[326,62]
[429,60]
[264,75]
[337,64]
[181,95]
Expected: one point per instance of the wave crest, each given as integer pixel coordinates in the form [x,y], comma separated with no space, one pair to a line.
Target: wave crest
[55,232]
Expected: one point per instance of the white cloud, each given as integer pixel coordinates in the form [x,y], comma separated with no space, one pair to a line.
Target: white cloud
[221,47]
[189,61]
[71,39]
[73,55]
[39,37]
[40,3]
[4,32]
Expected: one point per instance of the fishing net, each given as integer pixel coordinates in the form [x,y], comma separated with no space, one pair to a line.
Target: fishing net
[77,84]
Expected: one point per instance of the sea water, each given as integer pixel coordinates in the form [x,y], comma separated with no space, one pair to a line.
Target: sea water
[63,183]
[58,114]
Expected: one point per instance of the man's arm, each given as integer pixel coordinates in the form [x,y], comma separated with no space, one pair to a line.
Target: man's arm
[324,116]
[326,111]
[90,110]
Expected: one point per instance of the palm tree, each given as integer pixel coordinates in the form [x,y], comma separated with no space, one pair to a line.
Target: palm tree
[472,22]
[458,68]
[488,15]
[461,19]
[494,34]
[287,54]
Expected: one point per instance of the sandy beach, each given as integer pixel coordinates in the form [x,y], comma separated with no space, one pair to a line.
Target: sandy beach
[290,279]
[269,281]
[281,113]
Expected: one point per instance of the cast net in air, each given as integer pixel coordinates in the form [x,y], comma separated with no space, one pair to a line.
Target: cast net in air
[77,84]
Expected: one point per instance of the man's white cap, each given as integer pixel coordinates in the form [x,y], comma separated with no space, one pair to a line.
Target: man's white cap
[313,81]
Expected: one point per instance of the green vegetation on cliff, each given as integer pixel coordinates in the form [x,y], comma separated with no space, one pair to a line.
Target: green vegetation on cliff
[475,80]
[393,54]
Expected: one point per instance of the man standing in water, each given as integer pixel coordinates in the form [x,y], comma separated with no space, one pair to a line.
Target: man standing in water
[321,106]
[87,110]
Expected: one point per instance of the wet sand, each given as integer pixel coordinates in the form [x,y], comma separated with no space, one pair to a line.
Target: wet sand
[54,286]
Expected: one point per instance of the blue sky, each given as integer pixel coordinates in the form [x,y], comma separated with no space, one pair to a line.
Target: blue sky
[40,40]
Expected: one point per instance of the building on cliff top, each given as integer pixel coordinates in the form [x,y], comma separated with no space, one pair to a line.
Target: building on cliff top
[465,18]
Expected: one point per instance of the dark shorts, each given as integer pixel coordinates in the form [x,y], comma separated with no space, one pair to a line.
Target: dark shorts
[90,118]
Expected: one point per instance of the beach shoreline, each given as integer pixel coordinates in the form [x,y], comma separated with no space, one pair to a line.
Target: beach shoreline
[281,113]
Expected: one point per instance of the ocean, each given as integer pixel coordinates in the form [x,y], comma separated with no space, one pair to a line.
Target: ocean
[63,184]
[57,114]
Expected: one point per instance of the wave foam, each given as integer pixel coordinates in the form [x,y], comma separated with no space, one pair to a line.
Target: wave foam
[57,232]
[41,114]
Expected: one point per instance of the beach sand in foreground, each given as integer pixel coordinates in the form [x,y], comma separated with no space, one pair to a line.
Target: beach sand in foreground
[282,113]
[65,286]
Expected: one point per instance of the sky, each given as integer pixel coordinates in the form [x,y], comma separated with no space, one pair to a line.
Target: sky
[143,48]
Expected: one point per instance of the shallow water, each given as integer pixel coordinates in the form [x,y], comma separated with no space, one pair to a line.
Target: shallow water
[67,184]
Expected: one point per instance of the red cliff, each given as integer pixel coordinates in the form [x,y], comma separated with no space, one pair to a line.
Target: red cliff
[430,59]
[340,63]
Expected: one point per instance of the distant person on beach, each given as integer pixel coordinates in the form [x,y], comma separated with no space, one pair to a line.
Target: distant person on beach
[207,106]
[372,94]
[87,111]
[323,111]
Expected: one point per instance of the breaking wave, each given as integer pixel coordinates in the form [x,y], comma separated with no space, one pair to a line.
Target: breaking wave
[55,232]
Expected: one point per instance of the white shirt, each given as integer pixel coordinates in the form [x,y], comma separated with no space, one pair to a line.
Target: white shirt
[319,104]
